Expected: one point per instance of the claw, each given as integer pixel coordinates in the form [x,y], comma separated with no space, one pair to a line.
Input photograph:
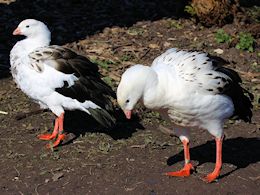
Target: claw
[58,129]
[52,135]
[185,172]
[46,136]
[211,177]
[60,138]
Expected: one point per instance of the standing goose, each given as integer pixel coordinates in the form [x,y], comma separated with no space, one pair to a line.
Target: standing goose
[58,79]
[191,91]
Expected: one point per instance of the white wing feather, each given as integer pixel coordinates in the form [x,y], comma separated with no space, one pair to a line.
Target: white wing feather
[193,69]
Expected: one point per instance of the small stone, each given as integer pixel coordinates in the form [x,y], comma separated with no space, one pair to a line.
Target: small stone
[16,178]
[167,44]
[153,46]
[57,176]
[219,51]
[171,39]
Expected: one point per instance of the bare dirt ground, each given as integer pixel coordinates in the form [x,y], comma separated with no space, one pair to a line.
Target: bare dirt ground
[131,158]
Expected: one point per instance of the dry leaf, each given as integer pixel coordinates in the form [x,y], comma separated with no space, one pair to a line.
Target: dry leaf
[57,176]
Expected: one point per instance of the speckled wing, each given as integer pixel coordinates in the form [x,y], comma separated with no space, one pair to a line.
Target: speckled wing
[62,59]
[195,69]
[89,85]
[205,74]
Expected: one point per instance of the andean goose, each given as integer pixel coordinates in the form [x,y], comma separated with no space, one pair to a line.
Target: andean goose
[190,90]
[57,78]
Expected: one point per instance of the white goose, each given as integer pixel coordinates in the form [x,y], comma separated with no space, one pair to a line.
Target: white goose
[190,90]
[57,78]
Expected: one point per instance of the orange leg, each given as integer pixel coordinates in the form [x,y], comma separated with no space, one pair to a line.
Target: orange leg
[57,132]
[61,135]
[54,133]
[185,171]
[212,176]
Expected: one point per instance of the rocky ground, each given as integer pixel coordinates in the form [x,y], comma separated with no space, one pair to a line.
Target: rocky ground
[131,158]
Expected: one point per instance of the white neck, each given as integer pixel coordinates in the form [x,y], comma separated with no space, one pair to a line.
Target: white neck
[29,44]
[152,92]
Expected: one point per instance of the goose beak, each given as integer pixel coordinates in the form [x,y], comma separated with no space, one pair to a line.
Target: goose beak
[17,31]
[128,114]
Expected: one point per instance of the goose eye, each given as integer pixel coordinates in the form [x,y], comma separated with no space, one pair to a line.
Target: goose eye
[127,101]
[27,26]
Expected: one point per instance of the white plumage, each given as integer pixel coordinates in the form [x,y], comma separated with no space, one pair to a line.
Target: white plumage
[188,90]
[40,86]
[57,78]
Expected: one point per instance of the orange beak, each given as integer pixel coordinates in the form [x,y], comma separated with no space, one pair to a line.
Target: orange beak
[17,31]
[128,114]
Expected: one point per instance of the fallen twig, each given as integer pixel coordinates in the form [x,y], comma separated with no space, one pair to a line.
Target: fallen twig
[3,112]
[147,51]
[138,146]
[18,173]
[118,46]
[23,115]
[255,178]
[249,74]
[167,130]
[134,186]
[36,188]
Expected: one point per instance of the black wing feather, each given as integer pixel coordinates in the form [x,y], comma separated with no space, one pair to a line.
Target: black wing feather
[242,99]
[89,85]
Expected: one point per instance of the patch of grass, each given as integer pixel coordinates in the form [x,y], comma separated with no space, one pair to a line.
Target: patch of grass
[148,139]
[135,31]
[174,24]
[190,10]
[254,13]
[246,42]
[104,147]
[152,114]
[108,80]
[126,57]
[102,63]
[255,66]
[222,37]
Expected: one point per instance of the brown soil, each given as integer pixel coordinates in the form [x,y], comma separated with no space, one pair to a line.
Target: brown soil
[131,158]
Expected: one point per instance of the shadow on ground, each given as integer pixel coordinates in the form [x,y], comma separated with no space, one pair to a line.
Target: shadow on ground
[72,20]
[240,152]
[79,123]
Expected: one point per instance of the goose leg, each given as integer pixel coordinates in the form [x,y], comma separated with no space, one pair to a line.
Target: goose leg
[61,135]
[185,171]
[212,176]
[53,134]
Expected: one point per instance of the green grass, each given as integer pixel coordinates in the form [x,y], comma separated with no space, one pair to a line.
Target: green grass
[104,147]
[127,57]
[135,31]
[222,37]
[254,13]
[174,24]
[108,81]
[190,10]
[246,42]
[102,63]
[255,66]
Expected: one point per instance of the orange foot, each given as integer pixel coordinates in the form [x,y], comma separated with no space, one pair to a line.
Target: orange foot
[60,138]
[211,177]
[185,172]
[46,136]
